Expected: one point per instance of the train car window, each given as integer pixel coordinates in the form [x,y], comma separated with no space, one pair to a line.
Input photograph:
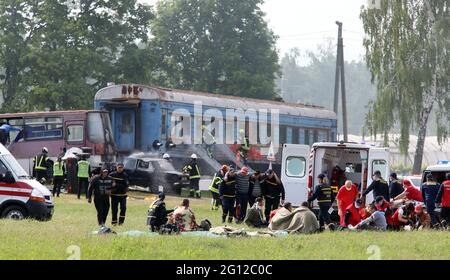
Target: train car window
[289,135]
[75,133]
[295,136]
[316,136]
[43,128]
[125,126]
[163,124]
[307,138]
[301,136]
[283,135]
[323,136]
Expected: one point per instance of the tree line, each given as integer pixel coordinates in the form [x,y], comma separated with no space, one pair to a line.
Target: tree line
[55,54]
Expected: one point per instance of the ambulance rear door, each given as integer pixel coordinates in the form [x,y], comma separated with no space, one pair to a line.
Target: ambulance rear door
[295,171]
[378,161]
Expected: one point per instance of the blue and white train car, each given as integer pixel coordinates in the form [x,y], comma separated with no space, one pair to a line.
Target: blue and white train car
[142,114]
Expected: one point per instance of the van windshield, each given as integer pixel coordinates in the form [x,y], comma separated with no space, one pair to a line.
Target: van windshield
[15,166]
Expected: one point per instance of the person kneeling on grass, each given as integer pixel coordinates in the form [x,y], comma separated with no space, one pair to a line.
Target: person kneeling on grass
[255,215]
[157,213]
[376,221]
[423,219]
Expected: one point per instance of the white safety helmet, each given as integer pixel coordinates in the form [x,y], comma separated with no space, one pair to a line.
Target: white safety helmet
[194,156]
[166,156]
[45,150]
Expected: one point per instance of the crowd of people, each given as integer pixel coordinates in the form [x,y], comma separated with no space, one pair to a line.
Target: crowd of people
[258,200]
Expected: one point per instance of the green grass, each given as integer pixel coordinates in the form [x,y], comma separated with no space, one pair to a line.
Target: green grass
[74,220]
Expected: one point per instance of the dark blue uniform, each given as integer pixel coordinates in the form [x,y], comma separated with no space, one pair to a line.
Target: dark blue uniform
[325,197]
[429,194]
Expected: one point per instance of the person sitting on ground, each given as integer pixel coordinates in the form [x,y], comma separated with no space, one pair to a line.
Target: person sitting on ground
[300,220]
[385,206]
[410,193]
[376,221]
[255,215]
[157,213]
[184,218]
[287,206]
[403,216]
[351,214]
[423,219]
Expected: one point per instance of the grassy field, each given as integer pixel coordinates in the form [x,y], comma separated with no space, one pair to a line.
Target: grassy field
[74,220]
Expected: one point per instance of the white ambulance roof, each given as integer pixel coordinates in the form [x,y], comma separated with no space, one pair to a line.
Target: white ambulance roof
[439,167]
[3,150]
[345,145]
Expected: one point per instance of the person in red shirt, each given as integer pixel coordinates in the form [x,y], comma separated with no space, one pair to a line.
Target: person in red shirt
[351,214]
[403,216]
[443,198]
[345,198]
[410,193]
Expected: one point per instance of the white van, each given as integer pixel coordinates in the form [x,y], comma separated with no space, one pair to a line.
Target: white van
[302,164]
[20,195]
[438,171]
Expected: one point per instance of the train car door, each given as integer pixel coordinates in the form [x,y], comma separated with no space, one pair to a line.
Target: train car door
[125,129]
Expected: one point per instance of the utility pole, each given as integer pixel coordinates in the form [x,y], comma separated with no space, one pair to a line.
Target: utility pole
[340,73]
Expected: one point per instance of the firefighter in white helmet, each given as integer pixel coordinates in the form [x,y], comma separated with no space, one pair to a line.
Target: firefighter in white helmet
[194,176]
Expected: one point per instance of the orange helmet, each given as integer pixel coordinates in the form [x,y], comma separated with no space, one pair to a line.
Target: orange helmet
[225,168]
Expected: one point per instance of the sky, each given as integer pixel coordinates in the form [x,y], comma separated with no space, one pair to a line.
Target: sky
[305,24]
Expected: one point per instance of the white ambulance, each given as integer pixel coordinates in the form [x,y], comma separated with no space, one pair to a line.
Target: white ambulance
[301,164]
[20,195]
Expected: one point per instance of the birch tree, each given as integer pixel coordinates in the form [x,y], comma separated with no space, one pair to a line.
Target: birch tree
[407,50]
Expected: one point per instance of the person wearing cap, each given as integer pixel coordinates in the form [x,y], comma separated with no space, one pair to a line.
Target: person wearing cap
[59,172]
[41,164]
[272,191]
[410,193]
[119,194]
[429,191]
[395,187]
[443,199]
[325,197]
[423,218]
[101,186]
[214,187]
[379,187]
[194,175]
[345,198]
[384,205]
[242,196]
[157,213]
[254,190]
[376,221]
[83,174]
[227,192]
[351,214]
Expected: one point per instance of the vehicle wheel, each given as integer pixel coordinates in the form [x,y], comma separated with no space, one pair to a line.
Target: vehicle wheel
[14,212]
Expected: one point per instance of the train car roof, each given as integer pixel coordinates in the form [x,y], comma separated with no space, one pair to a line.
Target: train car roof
[114,93]
[49,113]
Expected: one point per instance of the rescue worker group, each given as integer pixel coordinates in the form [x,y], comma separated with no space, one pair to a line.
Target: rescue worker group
[258,200]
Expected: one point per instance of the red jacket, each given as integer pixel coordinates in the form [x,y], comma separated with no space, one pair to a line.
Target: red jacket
[444,194]
[354,218]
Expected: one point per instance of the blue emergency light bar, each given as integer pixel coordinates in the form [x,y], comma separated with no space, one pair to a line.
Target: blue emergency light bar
[443,162]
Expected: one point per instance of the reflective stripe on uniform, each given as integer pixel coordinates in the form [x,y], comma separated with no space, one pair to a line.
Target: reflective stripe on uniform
[83,169]
[39,166]
[58,169]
